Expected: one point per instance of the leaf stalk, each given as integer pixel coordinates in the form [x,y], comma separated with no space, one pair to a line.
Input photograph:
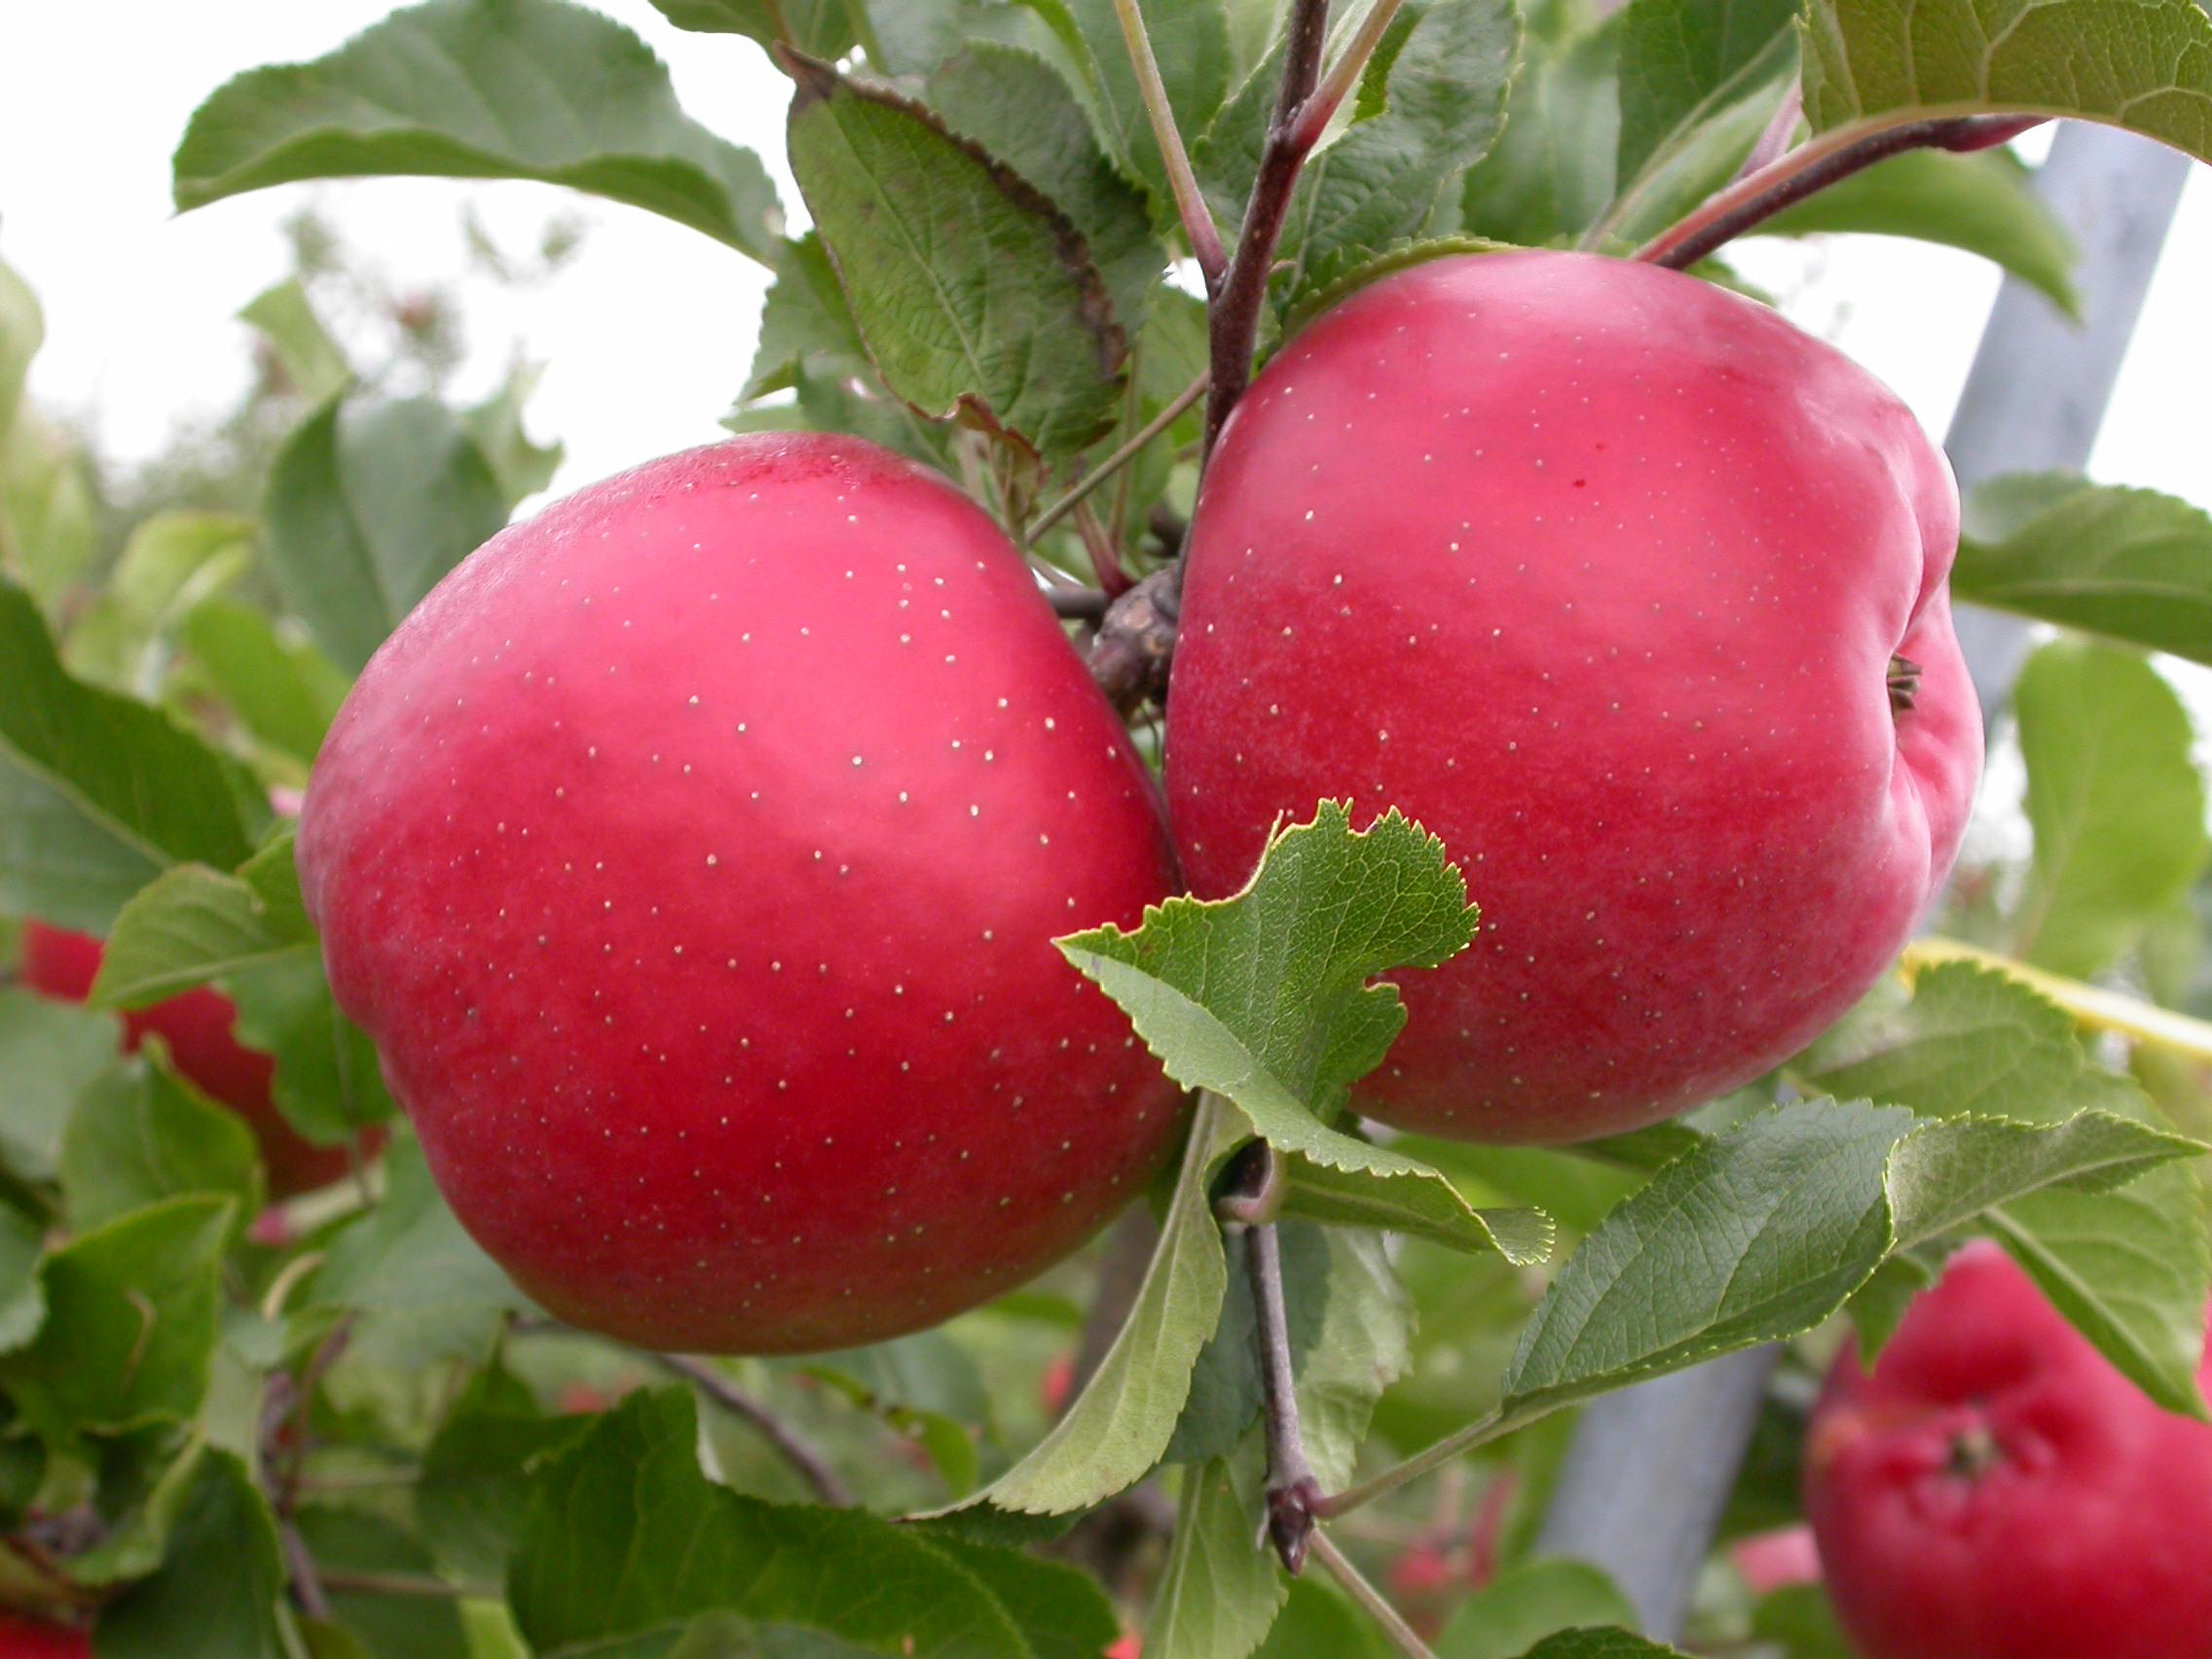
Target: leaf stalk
[1354,1584]
[1294,1491]
[1812,168]
[1190,200]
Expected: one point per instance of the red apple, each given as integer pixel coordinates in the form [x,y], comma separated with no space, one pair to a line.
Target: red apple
[1632,594]
[1776,1559]
[694,854]
[199,1028]
[1058,1384]
[1995,1489]
[29,1638]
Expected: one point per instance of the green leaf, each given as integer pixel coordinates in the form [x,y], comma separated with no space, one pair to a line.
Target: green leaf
[2115,800]
[192,924]
[1600,1644]
[1967,1041]
[421,1289]
[625,1535]
[1879,1305]
[173,562]
[1117,1428]
[1363,1346]
[2130,1267]
[130,1323]
[397,1627]
[482,88]
[2131,565]
[805,321]
[1798,1618]
[1220,1590]
[147,1481]
[1551,172]
[142,1134]
[312,360]
[22,1302]
[1980,202]
[369,505]
[1683,64]
[22,330]
[50,1053]
[976,297]
[912,37]
[2142,64]
[925,1385]
[284,691]
[1061,1611]
[328,1081]
[474,1491]
[46,509]
[521,467]
[821,28]
[1226,158]
[1444,103]
[216,1594]
[1265,999]
[1354,1198]
[1349,1334]
[98,795]
[1189,40]
[1764,1231]
[1529,1601]
[1017,109]
[1317,1622]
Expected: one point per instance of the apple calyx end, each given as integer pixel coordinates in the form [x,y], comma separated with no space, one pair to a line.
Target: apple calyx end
[1905,683]
[1973,1453]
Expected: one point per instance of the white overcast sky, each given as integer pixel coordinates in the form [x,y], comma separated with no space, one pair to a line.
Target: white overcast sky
[647,334]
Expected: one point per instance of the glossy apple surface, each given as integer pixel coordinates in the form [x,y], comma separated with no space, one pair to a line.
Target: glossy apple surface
[200,1028]
[1632,593]
[1995,1489]
[693,855]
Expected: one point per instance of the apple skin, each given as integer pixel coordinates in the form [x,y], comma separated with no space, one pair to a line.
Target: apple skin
[693,855]
[1596,572]
[28,1639]
[200,1029]
[2086,1532]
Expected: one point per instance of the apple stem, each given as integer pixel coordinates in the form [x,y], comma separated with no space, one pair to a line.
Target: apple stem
[810,1465]
[1235,317]
[1190,200]
[300,1568]
[1105,557]
[1293,1489]
[1120,458]
[1077,604]
[1137,641]
[1812,168]
[1371,1601]
[1318,110]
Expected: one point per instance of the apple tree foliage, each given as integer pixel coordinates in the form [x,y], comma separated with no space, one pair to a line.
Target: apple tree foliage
[337,1429]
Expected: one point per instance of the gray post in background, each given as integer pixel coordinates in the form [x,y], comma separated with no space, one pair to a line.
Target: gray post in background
[2040,385]
[1650,1468]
